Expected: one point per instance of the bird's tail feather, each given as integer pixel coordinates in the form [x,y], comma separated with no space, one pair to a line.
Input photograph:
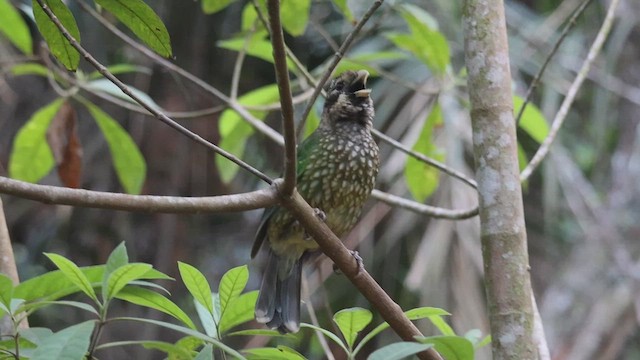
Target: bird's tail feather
[278,303]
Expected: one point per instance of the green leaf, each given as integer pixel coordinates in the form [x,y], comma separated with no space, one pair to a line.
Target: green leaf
[328,334]
[143,21]
[55,284]
[259,332]
[207,319]
[344,9]
[231,285]
[256,46]
[70,343]
[425,42]
[6,290]
[442,325]
[35,335]
[14,28]
[60,47]
[422,179]
[532,120]
[127,159]
[206,353]
[117,258]
[174,352]
[351,321]
[484,342]
[31,157]
[279,353]
[197,285]
[121,69]
[413,314]
[40,304]
[29,69]
[313,120]
[239,311]
[123,276]
[523,160]
[398,351]
[73,273]
[154,300]
[234,131]
[154,274]
[213,6]
[451,347]
[295,16]
[109,88]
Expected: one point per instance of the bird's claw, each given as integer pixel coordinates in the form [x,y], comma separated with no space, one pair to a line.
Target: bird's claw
[356,256]
[321,216]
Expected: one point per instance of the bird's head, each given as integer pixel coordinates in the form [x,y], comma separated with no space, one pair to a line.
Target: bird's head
[348,100]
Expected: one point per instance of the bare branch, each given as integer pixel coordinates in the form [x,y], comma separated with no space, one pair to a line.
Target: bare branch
[343,258]
[556,46]
[159,115]
[334,62]
[284,88]
[146,203]
[416,207]
[561,115]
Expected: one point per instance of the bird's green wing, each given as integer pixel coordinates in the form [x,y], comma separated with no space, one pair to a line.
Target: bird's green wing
[304,152]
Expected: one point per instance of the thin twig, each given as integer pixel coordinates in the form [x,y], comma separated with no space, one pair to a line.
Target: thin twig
[284,88]
[436,164]
[561,115]
[416,207]
[334,62]
[145,203]
[237,67]
[556,46]
[237,107]
[159,115]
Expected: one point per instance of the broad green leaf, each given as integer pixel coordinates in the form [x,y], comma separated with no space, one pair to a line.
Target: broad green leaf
[58,44]
[149,284]
[190,343]
[442,325]
[186,331]
[154,274]
[213,6]
[206,353]
[234,131]
[422,179]
[14,28]
[208,320]
[73,273]
[399,350]
[31,157]
[532,120]
[348,64]
[231,285]
[143,21]
[413,314]
[35,335]
[127,159]
[174,352]
[197,285]
[344,9]
[6,290]
[121,69]
[40,304]
[425,42]
[55,284]
[256,46]
[106,86]
[123,276]
[313,120]
[70,343]
[29,69]
[239,311]
[117,258]
[295,16]
[154,300]
[351,321]
[279,353]
[451,347]
[250,20]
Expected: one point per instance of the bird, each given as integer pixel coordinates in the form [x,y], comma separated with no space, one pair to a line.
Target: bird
[336,172]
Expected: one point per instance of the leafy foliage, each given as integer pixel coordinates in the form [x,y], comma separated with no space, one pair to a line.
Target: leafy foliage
[59,45]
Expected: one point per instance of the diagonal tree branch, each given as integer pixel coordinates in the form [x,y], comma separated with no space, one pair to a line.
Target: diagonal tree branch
[158,114]
[562,113]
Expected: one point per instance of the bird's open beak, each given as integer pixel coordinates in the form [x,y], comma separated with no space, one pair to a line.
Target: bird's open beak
[360,84]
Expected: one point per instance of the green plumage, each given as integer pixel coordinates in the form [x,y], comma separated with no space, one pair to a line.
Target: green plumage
[337,167]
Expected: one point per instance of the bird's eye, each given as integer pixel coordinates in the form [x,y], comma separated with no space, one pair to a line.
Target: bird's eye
[339,86]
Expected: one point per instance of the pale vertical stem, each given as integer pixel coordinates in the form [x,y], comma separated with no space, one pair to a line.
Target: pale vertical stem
[504,238]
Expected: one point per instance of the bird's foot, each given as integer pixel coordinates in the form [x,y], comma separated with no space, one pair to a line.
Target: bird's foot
[321,216]
[359,261]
